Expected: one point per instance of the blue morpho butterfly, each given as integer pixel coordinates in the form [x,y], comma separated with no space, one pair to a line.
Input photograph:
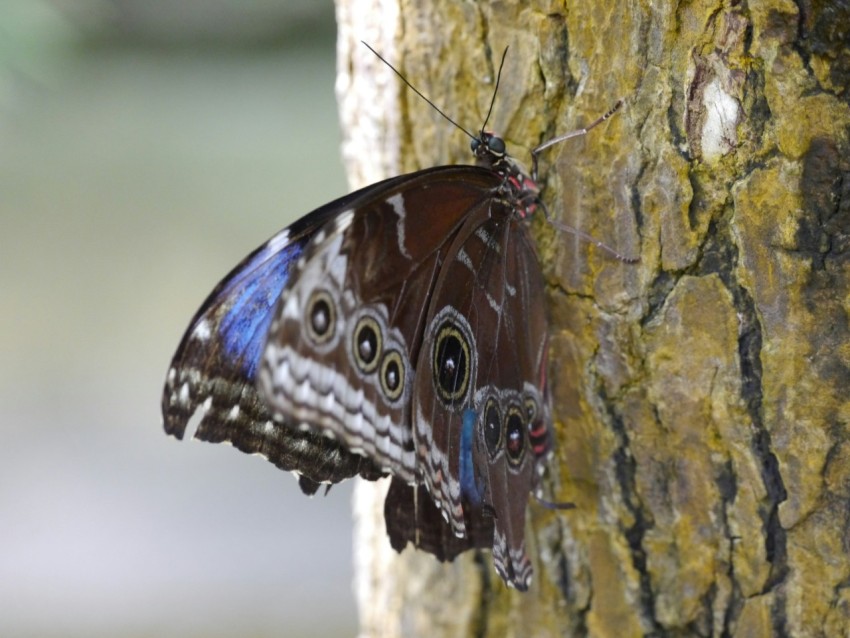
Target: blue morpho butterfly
[398,330]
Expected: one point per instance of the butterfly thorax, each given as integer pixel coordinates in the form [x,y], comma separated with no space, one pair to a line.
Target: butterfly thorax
[517,185]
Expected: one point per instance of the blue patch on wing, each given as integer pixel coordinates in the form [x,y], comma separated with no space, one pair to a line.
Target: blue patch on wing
[468,485]
[241,309]
[253,300]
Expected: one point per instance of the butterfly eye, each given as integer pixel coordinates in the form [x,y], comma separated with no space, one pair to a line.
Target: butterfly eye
[492,427]
[392,375]
[367,344]
[515,435]
[321,318]
[496,145]
[451,363]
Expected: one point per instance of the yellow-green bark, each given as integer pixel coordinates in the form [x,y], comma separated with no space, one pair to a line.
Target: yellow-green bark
[701,395]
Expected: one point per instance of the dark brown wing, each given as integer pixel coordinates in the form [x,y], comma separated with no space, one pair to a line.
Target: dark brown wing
[214,369]
[343,348]
[480,386]
[412,517]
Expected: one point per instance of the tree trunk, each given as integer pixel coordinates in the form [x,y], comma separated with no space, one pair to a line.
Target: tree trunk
[700,395]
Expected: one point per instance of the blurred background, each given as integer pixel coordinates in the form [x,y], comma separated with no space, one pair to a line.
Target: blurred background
[145,147]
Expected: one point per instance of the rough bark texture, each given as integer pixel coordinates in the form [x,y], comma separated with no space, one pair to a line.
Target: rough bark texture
[701,395]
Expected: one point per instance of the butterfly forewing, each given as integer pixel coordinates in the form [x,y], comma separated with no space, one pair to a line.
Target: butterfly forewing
[342,351]
[214,369]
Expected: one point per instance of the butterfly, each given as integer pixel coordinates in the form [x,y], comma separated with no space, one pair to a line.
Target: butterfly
[399,330]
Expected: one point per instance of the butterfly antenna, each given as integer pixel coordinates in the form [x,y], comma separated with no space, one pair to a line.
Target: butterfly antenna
[495,90]
[418,92]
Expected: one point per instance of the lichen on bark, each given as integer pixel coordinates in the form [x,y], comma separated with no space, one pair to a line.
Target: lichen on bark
[700,395]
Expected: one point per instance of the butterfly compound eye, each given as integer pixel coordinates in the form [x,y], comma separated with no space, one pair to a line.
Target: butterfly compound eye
[496,145]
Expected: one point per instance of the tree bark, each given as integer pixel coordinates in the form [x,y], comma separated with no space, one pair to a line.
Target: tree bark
[700,395]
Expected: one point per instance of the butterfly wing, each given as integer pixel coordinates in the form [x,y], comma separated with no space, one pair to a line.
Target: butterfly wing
[215,366]
[341,351]
[431,269]
[480,409]
[412,517]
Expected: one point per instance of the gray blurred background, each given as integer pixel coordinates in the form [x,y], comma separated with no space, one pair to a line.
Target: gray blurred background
[145,147]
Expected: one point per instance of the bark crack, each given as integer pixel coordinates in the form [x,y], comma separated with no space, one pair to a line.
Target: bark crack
[720,255]
[625,470]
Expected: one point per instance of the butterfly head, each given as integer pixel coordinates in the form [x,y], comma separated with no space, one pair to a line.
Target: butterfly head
[488,148]
[518,186]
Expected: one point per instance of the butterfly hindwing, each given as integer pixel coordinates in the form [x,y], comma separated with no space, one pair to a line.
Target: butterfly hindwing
[215,366]
[412,517]
[406,324]
[478,398]
[341,351]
